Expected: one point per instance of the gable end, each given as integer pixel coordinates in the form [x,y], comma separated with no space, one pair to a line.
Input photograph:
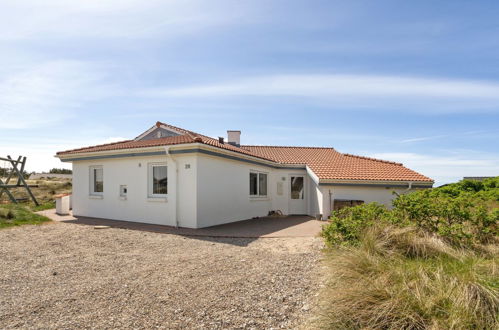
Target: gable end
[156,133]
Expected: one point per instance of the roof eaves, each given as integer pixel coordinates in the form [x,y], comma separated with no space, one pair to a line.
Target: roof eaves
[94,146]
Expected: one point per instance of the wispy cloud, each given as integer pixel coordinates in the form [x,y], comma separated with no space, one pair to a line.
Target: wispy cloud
[21,20]
[447,168]
[395,93]
[492,134]
[423,138]
[49,92]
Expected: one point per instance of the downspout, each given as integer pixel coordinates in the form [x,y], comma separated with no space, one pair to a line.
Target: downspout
[330,204]
[169,154]
[410,186]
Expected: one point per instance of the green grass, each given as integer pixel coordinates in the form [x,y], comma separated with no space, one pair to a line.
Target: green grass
[44,206]
[18,215]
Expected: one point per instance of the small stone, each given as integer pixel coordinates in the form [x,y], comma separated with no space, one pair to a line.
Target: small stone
[101,227]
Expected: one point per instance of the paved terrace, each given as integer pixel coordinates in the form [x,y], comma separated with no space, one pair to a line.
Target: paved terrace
[289,226]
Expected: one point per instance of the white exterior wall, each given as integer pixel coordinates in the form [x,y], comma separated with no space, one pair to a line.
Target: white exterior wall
[211,191]
[316,202]
[137,207]
[381,195]
[223,191]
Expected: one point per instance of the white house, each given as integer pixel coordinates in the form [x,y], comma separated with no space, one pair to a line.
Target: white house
[172,176]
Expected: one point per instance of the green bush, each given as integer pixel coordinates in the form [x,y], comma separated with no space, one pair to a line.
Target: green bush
[348,223]
[485,190]
[463,214]
[461,220]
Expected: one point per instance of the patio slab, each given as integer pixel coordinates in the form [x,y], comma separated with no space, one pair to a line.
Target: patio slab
[289,226]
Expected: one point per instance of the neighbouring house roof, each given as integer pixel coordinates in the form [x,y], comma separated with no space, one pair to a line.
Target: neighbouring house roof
[326,163]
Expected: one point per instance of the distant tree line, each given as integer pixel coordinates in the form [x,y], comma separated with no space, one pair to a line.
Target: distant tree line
[60,171]
[4,172]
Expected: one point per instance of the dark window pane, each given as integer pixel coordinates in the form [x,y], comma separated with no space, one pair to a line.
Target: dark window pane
[160,180]
[98,180]
[253,184]
[297,187]
[262,184]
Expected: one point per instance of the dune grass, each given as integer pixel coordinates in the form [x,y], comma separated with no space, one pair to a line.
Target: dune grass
[16,215]
[44,193]
[402,278]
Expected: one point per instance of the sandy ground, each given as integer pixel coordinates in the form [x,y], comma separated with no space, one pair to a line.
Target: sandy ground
[63,275]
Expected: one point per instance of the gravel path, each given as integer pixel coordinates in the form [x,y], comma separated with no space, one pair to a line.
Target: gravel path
[73,276]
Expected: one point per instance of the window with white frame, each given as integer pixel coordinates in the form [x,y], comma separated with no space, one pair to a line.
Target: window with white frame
[96,180]
[158,180]
[258,184]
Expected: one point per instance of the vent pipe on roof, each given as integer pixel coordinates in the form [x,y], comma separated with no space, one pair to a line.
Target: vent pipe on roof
[234,138]
[221,140]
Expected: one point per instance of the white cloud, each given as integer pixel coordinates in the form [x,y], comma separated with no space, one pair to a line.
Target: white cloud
[113,18]
[446,169]
[48,92]
[394,93]
[40,153]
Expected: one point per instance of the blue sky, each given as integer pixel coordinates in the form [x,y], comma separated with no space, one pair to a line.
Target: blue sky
[414,82]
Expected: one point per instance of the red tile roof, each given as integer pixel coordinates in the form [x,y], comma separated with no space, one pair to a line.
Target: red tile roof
[131,144]
[187,137]
[326,163]
[329,164]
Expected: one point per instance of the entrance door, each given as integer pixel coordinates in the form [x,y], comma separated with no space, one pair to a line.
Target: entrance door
[297,201]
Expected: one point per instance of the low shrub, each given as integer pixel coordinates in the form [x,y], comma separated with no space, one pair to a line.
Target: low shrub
[464,214]
[6,214]
[348,223]
[462,220]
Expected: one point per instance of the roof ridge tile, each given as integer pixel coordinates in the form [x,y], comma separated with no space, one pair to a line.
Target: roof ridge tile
[373,159]
[295,147]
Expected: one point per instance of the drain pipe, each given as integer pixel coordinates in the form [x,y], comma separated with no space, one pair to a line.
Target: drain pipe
[169,154]
[410,185]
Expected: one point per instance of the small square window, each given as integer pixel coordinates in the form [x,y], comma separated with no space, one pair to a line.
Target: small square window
[123,190]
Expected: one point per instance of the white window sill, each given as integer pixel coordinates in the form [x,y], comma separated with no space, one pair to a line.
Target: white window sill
[157,199]
[123,198]
[96,197]
[258,198]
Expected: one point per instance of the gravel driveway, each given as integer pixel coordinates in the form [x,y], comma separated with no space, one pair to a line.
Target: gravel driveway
[63,275]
